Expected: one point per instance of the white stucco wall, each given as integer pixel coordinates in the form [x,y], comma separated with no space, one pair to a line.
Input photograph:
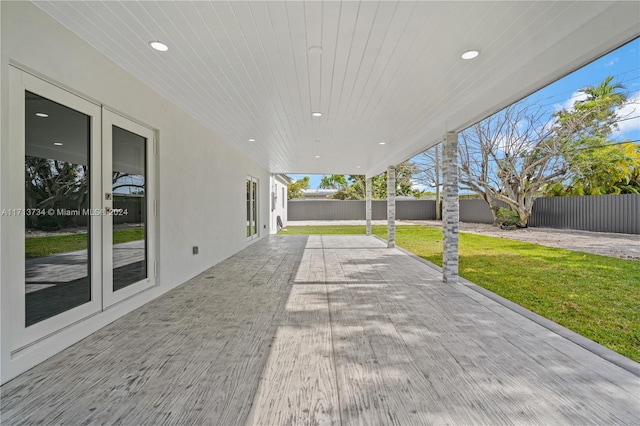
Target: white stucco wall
[201,178]
[279,187]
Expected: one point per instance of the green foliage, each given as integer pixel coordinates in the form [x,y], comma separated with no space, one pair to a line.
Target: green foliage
[294,190]
[333,182]
[353,187]
[53,184]
[508,217]
[572,288]
[596,165]
[612,169]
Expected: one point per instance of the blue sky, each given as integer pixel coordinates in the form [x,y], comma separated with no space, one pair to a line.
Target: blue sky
[623,64]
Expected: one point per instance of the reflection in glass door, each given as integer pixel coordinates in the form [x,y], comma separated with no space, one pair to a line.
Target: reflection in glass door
[57,198]
[129,217]
[54,266]
[252,208]
[128,265]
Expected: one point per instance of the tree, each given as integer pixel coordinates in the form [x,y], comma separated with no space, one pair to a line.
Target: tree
[429,172]
[611,169]
[509,156]
[353,187]
[54,184]
[598,166]
[294,190]
[333,182]
[516,153]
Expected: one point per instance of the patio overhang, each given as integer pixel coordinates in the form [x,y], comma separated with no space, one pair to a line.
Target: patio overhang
[392,72]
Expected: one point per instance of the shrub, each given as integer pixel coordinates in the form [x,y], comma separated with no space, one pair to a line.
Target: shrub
[508,218]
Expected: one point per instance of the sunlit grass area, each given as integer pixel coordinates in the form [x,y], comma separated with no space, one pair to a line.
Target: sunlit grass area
[595,296]
[48,245]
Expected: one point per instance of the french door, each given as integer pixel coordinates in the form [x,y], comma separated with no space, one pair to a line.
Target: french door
[252,208]
[82,216]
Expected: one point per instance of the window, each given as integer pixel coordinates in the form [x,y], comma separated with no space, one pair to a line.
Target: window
[252,208]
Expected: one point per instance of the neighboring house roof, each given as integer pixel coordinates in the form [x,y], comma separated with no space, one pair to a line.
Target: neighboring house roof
[318,193]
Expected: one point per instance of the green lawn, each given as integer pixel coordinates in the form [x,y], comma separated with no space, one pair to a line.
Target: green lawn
[595,296]
[45,246]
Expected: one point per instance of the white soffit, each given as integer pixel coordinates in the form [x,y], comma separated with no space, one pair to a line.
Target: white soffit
[387,71]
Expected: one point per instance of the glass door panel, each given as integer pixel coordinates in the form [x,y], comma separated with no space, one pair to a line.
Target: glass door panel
[252,208]
[57,199]
[129,217]
[55,274]
[129,264]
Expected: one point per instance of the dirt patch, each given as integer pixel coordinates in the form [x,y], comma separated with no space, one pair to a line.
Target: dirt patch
[624,246]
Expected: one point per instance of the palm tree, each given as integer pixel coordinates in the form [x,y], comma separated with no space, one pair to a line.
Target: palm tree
[604,90]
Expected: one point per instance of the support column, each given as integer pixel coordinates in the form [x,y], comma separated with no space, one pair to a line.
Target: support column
[391,206]
[368,198]
[450,210]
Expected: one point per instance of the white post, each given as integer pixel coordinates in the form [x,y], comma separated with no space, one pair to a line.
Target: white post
[368,198]
[450,211]
[391,206]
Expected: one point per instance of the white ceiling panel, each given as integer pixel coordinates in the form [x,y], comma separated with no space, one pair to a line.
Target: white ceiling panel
[385,71]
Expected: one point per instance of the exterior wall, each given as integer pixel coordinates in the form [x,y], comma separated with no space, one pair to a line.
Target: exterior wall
[200,178]
[356,210]
[278,203]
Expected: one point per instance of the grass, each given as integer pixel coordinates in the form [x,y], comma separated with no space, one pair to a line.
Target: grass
[48,245]
[595,296]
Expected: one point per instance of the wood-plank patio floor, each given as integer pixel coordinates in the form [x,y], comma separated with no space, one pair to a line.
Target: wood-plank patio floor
[311,330]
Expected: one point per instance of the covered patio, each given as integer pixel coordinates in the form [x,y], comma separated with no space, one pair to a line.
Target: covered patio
[323,330]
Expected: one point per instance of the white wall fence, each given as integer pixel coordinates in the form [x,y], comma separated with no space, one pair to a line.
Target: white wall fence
[602,213]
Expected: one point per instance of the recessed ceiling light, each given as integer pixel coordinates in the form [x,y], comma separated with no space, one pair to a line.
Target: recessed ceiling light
[470,54]
[58,143]
[159,46]
[317,156]
[315,50]
[316,114]
[42,114]
[252,140]
[382,143]
[358,167]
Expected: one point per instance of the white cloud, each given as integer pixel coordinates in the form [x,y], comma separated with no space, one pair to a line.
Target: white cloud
[568,104]
[630,113]
[612,62]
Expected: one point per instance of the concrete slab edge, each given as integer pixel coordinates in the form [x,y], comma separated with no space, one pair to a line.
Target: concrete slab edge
[588,344]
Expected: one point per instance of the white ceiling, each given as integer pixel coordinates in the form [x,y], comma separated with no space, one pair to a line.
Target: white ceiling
[388,71]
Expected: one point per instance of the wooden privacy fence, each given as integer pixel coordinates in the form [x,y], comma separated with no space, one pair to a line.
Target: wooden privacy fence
[601,213]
